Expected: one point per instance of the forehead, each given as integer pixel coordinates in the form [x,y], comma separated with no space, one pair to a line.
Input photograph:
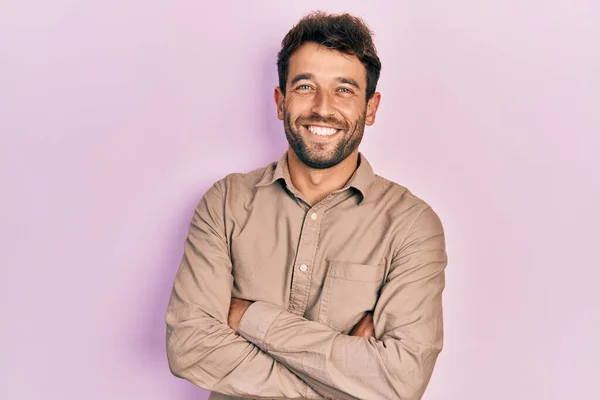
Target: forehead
[325,64]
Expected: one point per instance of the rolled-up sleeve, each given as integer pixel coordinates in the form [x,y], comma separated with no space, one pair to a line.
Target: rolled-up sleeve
[201,347]
[399,361]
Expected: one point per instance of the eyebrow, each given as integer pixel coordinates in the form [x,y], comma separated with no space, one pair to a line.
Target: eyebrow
[301,77]
[341,79]
[348,81]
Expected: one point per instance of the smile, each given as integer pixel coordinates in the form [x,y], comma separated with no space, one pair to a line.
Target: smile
[321,130]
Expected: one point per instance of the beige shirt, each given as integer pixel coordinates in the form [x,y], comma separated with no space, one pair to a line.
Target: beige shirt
[313,271]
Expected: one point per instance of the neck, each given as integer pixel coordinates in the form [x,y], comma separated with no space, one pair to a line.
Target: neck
[316,184]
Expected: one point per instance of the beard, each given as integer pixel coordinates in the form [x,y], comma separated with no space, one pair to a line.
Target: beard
[314,154]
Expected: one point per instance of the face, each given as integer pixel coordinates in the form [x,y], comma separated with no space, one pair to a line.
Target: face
[324,110]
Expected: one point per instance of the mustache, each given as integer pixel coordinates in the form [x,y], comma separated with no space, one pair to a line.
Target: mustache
[333,122]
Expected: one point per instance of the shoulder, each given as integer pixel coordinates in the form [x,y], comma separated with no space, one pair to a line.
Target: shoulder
[409,210]
[398,197]
[241,181]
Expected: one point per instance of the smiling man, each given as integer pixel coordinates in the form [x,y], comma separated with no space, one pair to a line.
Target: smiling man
[312,277]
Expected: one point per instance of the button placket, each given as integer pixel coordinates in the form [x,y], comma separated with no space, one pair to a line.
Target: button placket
[301,276]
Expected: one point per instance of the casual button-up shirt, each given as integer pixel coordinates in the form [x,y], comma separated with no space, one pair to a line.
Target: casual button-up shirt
[312,272]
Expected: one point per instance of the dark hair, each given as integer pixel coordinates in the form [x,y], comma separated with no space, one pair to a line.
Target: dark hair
[342,32]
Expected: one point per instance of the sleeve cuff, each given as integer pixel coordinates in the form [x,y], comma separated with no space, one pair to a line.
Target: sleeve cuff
[256,322]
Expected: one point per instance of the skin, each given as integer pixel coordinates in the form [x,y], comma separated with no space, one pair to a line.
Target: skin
[236,311]
[324,88]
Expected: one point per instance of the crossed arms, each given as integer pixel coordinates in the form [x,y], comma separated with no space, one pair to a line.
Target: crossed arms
[278,354]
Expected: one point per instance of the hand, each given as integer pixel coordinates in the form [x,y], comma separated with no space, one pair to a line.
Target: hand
[365,327]
[237,308]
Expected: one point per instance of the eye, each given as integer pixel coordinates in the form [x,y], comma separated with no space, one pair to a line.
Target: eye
[303,87]
[345,90]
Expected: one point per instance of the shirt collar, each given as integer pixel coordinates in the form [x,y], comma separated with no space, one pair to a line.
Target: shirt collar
[361,180]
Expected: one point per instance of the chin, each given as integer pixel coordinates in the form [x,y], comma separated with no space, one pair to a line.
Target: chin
[320,162]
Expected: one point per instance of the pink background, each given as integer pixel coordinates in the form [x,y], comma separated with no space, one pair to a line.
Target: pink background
[115,116]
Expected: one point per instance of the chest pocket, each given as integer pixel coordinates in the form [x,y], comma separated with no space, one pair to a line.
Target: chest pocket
[349,291]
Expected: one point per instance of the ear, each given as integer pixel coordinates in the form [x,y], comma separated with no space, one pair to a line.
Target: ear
[279,99]
[372,106]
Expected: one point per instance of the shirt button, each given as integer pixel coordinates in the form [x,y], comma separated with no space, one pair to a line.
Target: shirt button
[313,216]
[303,267]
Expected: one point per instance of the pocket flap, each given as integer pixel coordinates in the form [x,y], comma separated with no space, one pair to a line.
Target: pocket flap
[355,272]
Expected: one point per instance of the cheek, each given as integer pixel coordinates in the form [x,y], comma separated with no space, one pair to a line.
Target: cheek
[350,105]
[297,107]
[350,112]
[300,100]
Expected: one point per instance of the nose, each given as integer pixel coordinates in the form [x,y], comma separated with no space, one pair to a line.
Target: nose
[323,104]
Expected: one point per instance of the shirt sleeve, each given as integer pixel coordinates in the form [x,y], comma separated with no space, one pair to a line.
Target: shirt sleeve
[201,347]
[399,361]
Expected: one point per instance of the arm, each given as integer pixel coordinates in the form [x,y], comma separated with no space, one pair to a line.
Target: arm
[201,347]
[408,327]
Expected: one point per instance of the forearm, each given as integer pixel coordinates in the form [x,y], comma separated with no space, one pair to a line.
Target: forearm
[341,366]
[210,355]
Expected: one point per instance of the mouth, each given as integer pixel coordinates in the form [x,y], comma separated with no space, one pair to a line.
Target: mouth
[321,130]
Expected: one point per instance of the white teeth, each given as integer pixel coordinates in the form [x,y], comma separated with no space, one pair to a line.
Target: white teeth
[322,131]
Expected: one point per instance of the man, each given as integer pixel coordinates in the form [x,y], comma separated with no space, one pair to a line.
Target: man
[313,277]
